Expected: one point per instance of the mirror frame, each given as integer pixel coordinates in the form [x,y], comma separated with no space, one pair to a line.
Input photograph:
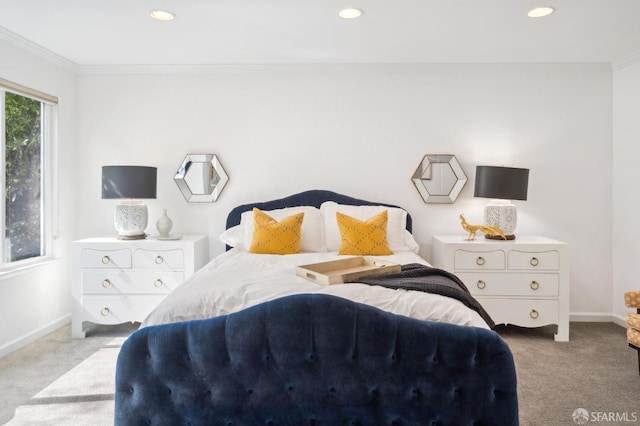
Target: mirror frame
[191,197]
[423,167]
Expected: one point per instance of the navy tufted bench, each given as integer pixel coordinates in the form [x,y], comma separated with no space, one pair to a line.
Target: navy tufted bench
[315,360]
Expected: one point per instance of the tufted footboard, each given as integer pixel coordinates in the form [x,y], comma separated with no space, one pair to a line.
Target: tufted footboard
[315,360]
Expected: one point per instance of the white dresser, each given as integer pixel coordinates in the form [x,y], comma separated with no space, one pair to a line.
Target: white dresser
[117,281]
[524,282]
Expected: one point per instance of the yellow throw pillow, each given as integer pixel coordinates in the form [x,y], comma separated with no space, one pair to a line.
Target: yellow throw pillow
[363,238]
[273,237]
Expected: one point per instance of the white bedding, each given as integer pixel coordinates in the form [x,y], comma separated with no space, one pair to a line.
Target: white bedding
[236,280]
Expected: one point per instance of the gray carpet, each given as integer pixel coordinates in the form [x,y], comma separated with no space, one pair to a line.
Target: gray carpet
[596,371]
[61,381]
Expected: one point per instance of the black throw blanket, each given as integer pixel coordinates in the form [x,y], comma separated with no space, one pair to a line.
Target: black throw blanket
[415,276]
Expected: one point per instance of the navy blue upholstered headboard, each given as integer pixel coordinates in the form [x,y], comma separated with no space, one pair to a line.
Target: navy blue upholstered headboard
[308,198]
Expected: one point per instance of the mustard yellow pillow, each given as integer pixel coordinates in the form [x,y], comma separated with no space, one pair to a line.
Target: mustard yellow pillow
[363,238]
[273,237]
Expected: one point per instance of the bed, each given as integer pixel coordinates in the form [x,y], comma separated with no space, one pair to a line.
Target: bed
[452,368]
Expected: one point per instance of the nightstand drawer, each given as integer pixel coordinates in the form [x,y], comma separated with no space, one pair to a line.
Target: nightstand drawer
[119,309]
[111,259]
[132,282]
[530,261]
[158,259]
[479,260]
[526,285]
[522,312]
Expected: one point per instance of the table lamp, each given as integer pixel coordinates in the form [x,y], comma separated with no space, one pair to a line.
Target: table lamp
[130,184]
[501,184]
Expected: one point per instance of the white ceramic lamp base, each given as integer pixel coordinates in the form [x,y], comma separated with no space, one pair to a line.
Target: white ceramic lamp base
[502,214]
[130,220]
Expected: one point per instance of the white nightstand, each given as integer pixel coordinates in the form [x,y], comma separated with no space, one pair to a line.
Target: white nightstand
[523,282]
[116,281]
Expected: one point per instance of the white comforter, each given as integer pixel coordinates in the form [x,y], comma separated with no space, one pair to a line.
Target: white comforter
[236,280]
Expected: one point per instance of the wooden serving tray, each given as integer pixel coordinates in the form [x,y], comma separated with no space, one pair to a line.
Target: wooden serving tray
[345,270]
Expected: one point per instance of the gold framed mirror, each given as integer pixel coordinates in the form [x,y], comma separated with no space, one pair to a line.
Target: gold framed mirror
[439,178]
[201,178]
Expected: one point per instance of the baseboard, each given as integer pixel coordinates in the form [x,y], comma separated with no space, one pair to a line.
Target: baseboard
[44,330]
[22,341]
[590,317]
[621,321]
[598,317]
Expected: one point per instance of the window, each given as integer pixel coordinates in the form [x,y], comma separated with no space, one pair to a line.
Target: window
[27,121]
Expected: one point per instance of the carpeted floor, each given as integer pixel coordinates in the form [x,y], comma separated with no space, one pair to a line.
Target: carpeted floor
[61,381]
[596,371]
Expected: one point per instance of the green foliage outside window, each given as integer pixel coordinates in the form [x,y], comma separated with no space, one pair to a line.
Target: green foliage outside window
[23,176]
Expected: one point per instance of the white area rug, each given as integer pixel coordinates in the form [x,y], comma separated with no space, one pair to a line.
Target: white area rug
[83,396]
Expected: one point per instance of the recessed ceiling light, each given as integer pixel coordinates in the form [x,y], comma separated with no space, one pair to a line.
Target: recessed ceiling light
[162,15]
[350,13]
[539,12]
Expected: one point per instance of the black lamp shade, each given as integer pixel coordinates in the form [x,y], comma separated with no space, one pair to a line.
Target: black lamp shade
[506,183]
[135,182]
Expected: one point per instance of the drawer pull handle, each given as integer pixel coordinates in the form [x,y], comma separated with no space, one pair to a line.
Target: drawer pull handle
[106,283]
[105,312]
[480,260]
[534,314]
[481,284]
[159,260]
[106,260]
[534,261]
[534,285]
[158,283]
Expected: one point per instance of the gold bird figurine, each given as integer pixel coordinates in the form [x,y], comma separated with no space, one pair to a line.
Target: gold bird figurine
[492,231]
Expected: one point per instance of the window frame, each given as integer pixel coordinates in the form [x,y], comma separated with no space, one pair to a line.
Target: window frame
[48,181]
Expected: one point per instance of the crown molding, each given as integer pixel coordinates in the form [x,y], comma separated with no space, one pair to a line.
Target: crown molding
[35,49]
[161,68]
[231,68]
[625,61]
[303,67]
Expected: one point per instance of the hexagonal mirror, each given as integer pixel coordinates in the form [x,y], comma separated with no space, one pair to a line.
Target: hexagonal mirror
[439,178]
[201,178]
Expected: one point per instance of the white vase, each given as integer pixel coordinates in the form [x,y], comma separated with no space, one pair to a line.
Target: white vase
[164,224]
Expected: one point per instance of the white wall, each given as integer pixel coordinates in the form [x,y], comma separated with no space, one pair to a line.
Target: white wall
[362,130]
[626,203]
[359,130]
[39,301]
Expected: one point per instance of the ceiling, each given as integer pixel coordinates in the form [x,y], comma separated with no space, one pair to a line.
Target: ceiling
[120,32]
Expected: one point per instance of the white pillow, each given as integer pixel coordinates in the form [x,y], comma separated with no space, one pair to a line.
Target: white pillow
[409,242]
[312,231]
[396,223]
[233,237]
